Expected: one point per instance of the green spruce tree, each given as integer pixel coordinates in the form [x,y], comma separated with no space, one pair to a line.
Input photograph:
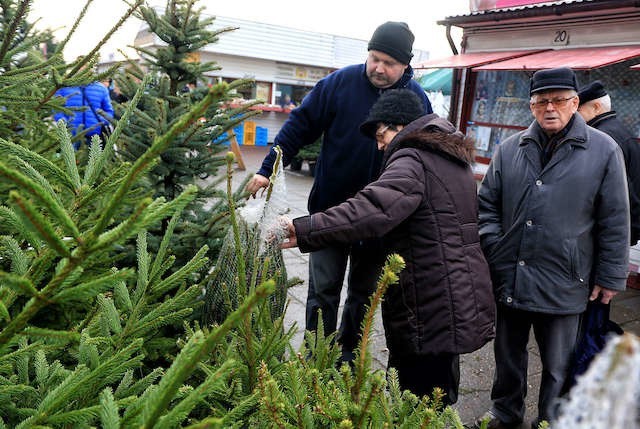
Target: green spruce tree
[83,334]
[184,31]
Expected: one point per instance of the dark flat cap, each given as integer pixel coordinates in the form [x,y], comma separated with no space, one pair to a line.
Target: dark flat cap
[558,78]
[591,91]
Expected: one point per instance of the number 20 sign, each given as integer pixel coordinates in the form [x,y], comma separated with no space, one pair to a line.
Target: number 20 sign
[560,37]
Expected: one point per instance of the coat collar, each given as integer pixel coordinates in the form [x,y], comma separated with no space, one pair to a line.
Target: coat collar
[576,135]
[595,121]
[435,134]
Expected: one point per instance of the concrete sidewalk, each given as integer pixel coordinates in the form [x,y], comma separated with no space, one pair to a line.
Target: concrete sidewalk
[476,368]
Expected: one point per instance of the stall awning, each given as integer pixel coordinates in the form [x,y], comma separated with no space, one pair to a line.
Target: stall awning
[577,59]
[471,59]
[439,80]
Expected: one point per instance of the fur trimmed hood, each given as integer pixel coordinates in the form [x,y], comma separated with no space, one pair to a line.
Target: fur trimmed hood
[435,134]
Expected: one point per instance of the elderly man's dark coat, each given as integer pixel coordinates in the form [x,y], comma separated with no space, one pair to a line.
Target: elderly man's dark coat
[424,205]
[609,123]
[550,232]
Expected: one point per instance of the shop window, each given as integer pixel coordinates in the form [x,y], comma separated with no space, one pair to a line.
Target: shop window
[255,91]
[263,92]
[500,105]
[500,108]
[290,95]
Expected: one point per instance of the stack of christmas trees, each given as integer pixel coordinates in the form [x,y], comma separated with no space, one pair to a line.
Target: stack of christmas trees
[108,254]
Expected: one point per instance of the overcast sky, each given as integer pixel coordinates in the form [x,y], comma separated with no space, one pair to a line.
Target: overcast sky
[350,18]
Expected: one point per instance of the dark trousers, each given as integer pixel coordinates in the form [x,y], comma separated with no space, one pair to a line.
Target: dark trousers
[326,274]
[556,336]
[422,373]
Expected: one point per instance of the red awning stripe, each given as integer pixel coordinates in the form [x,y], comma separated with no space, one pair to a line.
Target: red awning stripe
[636,67]
[472,59]
[576,58]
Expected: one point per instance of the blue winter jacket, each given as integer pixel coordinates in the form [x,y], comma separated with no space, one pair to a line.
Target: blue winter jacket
[95,94]
[335,108]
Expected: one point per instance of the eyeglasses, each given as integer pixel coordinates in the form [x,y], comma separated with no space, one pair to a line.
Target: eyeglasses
[557,102]
[380,133]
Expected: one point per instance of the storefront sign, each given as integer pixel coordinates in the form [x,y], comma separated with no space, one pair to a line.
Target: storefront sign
[300,73]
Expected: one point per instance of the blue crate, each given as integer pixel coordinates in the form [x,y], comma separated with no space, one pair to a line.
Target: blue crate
[261,136]
[222,139]
[239,132]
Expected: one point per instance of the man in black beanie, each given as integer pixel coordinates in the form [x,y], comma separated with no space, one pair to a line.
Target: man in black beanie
[595,108]
[424,205]
[348,161]
[554,226]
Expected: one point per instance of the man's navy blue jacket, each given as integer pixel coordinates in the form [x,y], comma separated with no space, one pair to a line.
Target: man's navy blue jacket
[334,109]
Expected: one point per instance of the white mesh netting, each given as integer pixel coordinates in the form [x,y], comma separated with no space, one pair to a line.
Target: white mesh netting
[257,247]
[606,396]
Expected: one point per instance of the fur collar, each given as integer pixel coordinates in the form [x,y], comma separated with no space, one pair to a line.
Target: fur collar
[434,134]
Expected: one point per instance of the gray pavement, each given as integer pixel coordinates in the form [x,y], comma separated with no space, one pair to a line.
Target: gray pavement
[476,368]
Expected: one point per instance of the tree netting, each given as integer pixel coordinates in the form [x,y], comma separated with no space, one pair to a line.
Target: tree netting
[608,394]
[253,242]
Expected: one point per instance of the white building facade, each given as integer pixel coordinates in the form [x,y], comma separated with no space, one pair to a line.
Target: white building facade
[285,63]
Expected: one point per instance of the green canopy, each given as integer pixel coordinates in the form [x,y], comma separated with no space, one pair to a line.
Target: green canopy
[438,80]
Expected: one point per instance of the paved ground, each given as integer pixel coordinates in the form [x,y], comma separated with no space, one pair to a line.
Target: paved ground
[476,368]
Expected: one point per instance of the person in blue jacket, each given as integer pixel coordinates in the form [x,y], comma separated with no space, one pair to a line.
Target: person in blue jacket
[348,161]
[90,105]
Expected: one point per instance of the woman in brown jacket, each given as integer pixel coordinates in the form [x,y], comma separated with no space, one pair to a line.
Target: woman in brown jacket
[424,208]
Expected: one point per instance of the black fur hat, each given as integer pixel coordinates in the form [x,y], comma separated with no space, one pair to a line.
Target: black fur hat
[395,107]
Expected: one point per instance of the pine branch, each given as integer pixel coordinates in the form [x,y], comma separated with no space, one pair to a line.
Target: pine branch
[19,284]
[9,219]
[37,223]
[106,37]
[87,290]
[159,145]
[179,412]
[109,417]
[50,334]
[10,33]
[106,187]
[68,155]
[34,305]
[389,276]
[123,229]
[159,264]
[76,23]
[196,263]
[196,349]
[83,380]
[19,260]
[43,197]
[37,177]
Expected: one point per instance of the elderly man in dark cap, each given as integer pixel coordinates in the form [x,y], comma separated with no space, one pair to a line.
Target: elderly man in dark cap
[554,226]
[595,108]
[348,161]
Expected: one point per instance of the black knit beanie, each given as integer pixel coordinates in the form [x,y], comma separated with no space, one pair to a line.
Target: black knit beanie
[395,39]
[395,107]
